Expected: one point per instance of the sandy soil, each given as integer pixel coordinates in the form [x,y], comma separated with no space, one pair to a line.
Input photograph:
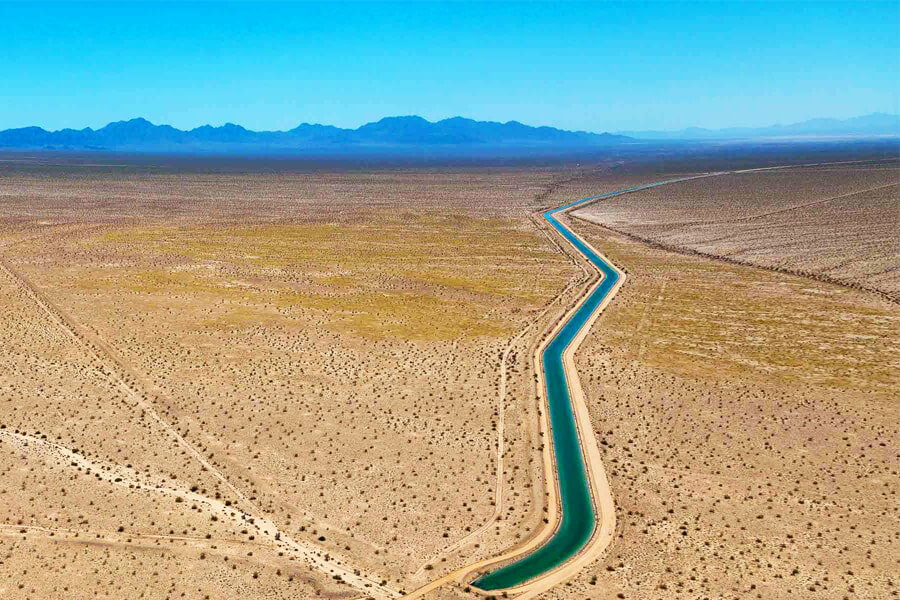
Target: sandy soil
[599,482]
[333,375]
[323,377]
[836,223]
[748,422]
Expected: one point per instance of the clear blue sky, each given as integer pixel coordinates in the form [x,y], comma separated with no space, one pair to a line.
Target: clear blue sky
[596,66]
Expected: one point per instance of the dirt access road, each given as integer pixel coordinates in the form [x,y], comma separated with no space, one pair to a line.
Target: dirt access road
[602,526]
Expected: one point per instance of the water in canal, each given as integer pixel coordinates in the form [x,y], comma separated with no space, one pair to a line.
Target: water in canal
[578,512]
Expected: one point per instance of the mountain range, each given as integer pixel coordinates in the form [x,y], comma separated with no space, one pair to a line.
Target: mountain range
[875,124]
[408,134]
[390,133]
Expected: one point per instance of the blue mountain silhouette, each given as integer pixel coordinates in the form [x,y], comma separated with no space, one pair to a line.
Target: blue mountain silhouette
[875,124]
[390,132]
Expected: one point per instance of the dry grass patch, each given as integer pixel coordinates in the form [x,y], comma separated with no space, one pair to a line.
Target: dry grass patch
[421,277]
[694,316]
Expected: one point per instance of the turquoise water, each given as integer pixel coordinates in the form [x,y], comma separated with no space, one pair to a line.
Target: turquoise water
[578,515]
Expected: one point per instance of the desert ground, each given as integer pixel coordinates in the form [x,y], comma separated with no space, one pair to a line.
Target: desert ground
[834,222]
[748,417]
[319,383]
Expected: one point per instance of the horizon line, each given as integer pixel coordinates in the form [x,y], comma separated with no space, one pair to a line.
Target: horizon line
[416,116]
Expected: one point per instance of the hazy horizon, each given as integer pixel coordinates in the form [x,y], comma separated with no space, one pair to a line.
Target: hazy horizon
[432,121]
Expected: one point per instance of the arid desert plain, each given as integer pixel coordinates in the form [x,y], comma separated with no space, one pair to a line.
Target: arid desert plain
[259,381]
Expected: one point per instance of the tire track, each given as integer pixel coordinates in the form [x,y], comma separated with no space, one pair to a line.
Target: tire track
[112,367]
[501,402]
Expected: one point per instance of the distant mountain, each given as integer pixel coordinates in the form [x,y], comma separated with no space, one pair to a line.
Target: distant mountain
[875,124]
[388,134]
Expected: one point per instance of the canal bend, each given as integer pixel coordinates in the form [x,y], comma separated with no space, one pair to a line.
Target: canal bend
[578,512]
